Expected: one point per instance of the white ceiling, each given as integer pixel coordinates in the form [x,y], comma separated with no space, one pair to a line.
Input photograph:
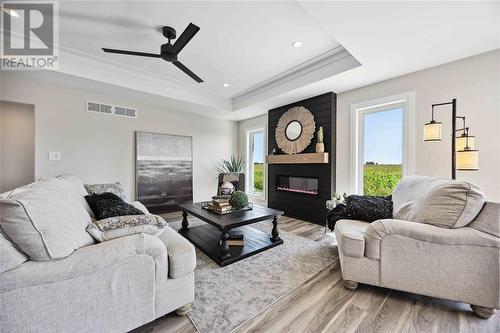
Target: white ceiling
[240,43]
[347,44]
[392,38]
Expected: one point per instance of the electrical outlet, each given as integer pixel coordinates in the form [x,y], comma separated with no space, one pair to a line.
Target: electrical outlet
[54,156]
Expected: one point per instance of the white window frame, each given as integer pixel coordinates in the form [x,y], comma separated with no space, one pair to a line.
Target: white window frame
[249,167]
[406,101]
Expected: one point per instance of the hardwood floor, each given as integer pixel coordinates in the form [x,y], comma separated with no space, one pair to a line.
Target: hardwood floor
[322,304]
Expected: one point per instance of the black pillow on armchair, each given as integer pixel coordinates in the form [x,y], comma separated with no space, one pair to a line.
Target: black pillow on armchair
[361,207]
[368,208]
[106,205]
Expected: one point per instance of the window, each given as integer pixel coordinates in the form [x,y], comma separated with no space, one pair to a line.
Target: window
[382,144]
[383,151]
[255,162]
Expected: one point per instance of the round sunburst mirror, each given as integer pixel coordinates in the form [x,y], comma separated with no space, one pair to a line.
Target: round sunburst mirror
[295,130]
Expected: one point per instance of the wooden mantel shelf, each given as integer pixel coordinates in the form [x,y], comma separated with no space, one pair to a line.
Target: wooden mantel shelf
[305,158]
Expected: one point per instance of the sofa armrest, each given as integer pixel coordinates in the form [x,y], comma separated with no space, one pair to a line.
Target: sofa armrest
[350,237]
[88,260]
[379,229]
[181,253]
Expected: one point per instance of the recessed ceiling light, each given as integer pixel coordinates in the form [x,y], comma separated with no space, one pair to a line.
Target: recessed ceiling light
[10,12]
[226,85]
[297,44]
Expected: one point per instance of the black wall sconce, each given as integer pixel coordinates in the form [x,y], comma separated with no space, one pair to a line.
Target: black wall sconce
[463,155]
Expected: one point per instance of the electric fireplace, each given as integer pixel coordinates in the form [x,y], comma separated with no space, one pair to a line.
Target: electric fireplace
[301,189]
[297,184]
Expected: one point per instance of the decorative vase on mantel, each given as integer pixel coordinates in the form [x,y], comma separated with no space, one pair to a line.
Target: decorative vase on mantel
[320,146]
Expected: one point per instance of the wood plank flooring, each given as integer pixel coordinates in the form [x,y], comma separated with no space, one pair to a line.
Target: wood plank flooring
[322,304]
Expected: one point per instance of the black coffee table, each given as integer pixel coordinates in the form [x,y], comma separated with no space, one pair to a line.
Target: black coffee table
[212,238]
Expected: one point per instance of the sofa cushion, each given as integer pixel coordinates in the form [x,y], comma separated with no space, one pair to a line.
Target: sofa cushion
[350,237]
[115,188]
[488,220]
[46,221]
[181,253]
[119,226]
[441,202]
[8,194]
[466,236]
[86,262]
[10,255]
[76,185]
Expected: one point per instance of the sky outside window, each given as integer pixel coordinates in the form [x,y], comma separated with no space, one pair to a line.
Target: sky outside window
[384,137]
[258,148]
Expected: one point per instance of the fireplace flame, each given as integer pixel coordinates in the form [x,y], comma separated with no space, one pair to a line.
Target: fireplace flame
[295,190]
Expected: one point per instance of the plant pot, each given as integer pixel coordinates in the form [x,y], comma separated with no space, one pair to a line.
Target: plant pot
[320,147]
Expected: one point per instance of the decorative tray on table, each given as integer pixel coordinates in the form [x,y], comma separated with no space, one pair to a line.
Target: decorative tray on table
[206,205]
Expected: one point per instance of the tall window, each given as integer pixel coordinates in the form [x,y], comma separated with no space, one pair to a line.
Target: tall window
[255,160]
[383,151]
[382,144]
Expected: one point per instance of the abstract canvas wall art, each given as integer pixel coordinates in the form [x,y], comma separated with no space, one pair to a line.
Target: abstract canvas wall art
[164,171]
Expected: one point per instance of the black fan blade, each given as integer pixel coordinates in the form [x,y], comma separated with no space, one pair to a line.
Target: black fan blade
[184,38]
[187,71]
[141,54]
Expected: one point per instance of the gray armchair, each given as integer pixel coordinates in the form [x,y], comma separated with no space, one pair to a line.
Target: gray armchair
[444,241]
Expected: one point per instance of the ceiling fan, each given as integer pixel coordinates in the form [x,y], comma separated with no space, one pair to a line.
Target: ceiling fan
[168,51]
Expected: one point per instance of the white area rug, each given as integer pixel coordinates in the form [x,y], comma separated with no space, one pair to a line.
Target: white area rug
[227,297]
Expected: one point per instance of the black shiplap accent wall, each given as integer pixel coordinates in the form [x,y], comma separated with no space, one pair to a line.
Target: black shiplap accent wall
[306,207]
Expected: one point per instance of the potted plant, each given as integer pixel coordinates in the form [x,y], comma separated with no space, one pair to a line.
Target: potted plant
[320,146]
[232,171]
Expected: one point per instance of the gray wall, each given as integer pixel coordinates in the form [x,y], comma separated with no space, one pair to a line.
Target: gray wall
[100,148]
[17,145]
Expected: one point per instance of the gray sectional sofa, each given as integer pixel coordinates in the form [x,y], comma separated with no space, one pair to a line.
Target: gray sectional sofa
[55,278]
[443,241]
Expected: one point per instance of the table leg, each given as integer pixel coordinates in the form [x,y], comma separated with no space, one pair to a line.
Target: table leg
[224,246]
[185,223]
[274,233]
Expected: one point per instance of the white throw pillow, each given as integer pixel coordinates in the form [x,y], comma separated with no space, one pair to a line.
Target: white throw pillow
[46,220]
[441,202]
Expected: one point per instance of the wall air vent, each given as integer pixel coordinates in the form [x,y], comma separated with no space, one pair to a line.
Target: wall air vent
[120,111]
[125,112]
[99,107]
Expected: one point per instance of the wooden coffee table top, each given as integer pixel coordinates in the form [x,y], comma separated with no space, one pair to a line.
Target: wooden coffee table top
[231,220]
